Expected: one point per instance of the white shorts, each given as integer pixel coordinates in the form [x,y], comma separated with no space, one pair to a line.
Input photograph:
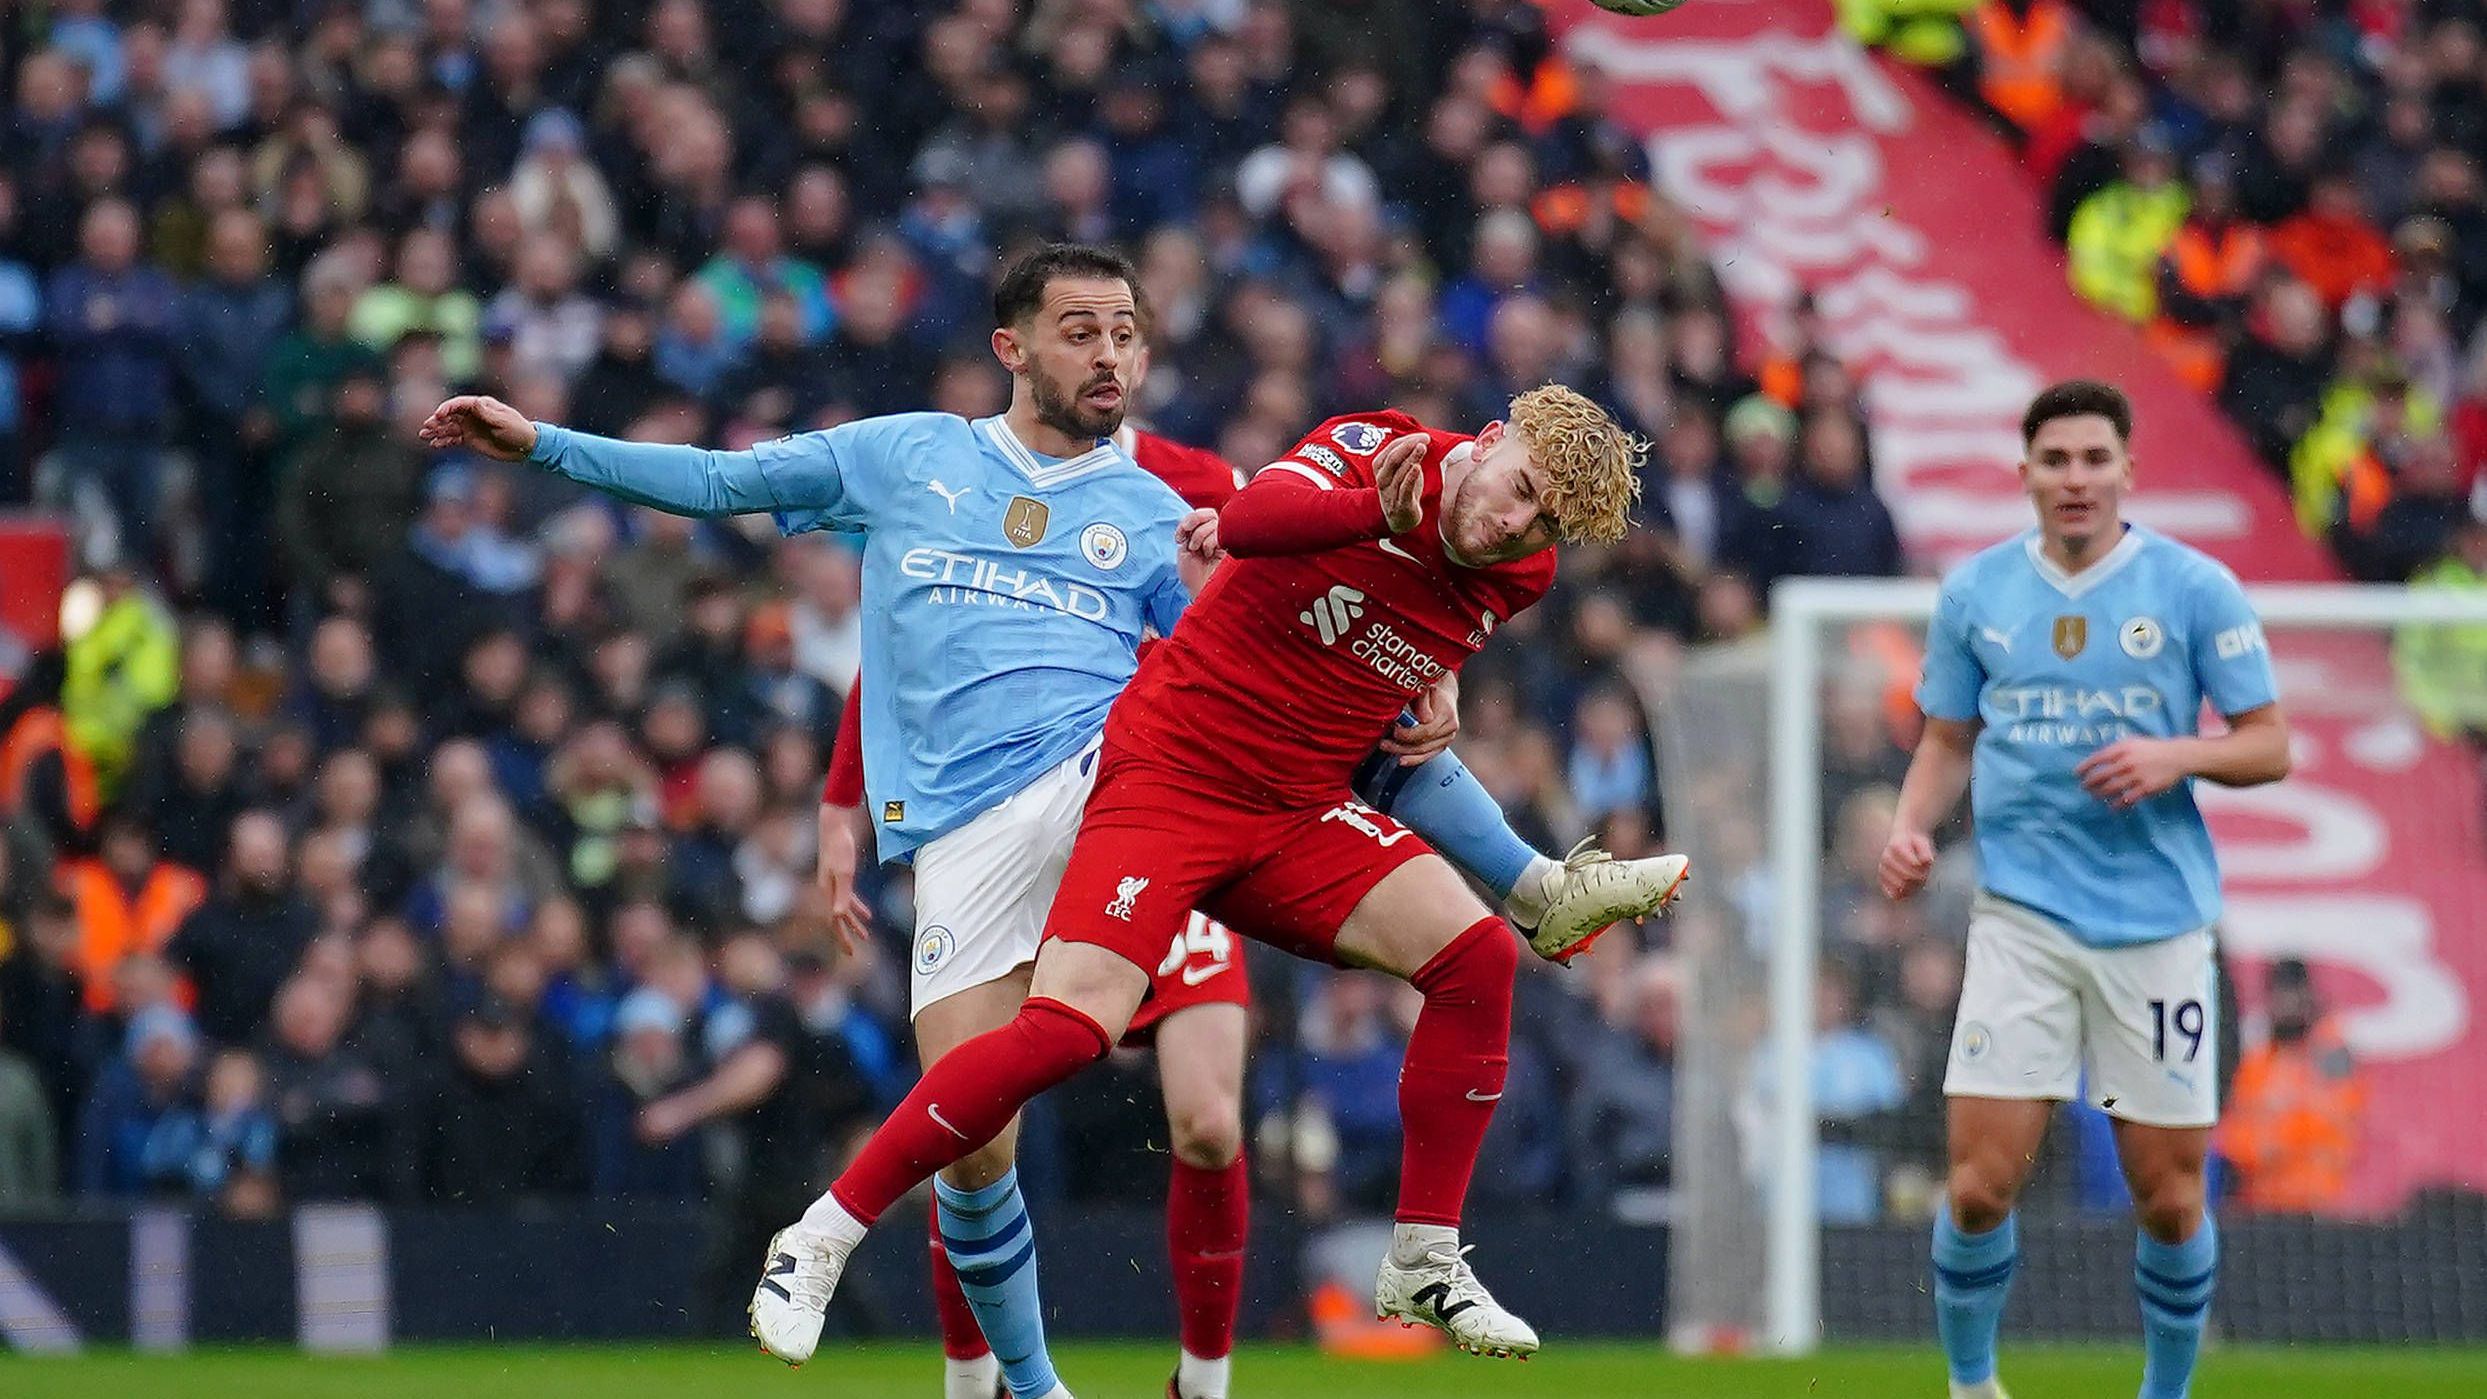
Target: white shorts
[2041,1013]
[982,891]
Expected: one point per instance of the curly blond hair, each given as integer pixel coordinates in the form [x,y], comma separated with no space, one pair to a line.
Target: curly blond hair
[1591,464]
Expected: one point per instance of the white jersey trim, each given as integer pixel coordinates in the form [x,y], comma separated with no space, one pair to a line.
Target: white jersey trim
[1042,473]
[2073,585]
[1299,469]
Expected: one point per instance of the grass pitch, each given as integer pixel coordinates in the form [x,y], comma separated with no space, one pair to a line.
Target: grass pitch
[911,1371]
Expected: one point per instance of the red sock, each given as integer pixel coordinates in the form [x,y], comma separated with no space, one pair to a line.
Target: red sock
[966,1099]
[1453,1074]
[961,1337]
[1208,1216]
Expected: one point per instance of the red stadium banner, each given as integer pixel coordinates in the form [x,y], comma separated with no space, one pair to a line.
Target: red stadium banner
[1810,165]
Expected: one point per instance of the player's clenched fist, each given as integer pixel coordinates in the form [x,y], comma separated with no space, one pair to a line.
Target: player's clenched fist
[483,423]
[1399,474]
[1907,860]
[1196,534]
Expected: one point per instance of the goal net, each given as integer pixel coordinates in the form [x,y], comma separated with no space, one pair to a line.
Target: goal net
[1816,1016]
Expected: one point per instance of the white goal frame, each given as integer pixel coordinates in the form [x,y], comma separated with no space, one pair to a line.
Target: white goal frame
[1802,610]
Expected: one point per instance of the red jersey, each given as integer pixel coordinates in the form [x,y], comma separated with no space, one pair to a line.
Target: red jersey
[1286,670]
[1201,477]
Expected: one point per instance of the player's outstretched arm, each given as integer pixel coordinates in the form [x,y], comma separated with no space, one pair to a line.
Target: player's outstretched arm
[1937,776]
[679,480]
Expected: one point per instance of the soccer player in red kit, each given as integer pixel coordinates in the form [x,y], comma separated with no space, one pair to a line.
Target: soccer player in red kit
[1368,562]
[1195,1018]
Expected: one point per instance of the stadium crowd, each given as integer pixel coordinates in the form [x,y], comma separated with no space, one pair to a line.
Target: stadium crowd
[418,829]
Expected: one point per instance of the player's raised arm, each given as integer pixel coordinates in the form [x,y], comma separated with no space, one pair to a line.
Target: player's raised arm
[1286,511]
[679,480]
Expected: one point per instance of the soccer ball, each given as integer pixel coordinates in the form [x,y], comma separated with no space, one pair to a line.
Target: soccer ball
[1639,9]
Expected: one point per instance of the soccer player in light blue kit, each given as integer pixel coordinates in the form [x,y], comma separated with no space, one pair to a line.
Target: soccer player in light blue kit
[1011,567]
[2064,681]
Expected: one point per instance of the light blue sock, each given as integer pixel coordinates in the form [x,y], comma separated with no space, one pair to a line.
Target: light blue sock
[990,1244]
[1441,800]
[2175,1282]
[1972,1276]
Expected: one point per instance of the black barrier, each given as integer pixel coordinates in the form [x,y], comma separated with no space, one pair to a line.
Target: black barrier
[348,1277]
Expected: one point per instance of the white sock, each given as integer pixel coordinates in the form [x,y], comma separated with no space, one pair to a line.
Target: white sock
[1411,1244]
[827,1216]
[1195,1378]
[970,1379]
[1527,900]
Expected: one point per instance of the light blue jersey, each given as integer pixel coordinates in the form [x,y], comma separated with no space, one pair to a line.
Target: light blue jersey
[1004,593]
[2058,666]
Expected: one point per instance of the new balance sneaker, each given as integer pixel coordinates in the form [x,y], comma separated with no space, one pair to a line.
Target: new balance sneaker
[1442,1292]
[792,1300]
[1592,891]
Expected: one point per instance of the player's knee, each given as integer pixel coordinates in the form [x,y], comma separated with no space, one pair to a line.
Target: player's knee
[983,1166]
[2169,1207]
[1981,1198]
[1206,1135]
[1478,964]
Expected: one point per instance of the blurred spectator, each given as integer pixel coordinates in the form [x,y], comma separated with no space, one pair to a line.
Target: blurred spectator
[114,324]
[1623,1113]
[2331,246]
[2119,234]
[29,1140]
[753,264]
[2443,669]
[122,663]
[230,320]
[141,1123]
[1841,525]
[239,946]
[302,372]
[191,802]
[648,1062]
[2290,1132]
[235,1160]
[1757,537]
[1342,1100]
[552,327]
[2207,278]
[349,495]
[2403,504]
[2275,380]
[426,298]
[489,1130]
[128,901]
[1609,769]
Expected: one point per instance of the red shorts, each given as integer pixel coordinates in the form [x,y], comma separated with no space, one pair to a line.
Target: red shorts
[1153,846]
[1204,967]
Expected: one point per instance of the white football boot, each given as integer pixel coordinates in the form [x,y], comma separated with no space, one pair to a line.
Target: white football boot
[1442,1292]
[1989,1388]
[792,1300]
[1592,891]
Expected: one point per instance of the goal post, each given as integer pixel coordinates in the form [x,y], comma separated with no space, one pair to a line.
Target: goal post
[1749,1135]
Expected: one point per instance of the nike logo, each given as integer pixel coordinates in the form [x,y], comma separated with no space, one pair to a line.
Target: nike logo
[1476,1097]
[1193,976]
[2001,641]
[933,1111]
[948,495]
[1390,548]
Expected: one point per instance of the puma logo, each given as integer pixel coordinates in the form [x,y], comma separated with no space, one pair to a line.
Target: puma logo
[948,495]
[2002,642]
